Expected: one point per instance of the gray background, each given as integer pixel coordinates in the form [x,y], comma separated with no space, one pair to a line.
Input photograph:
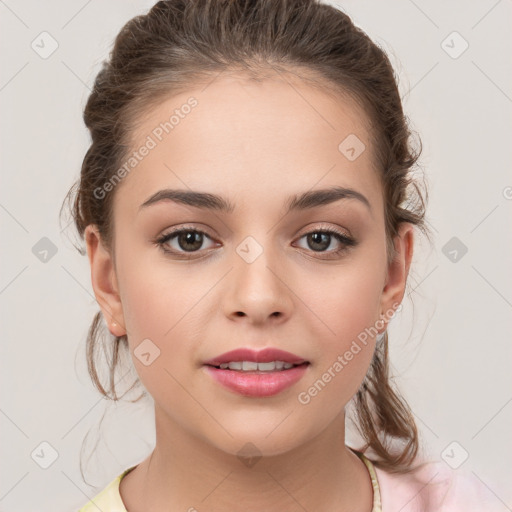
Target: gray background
[450,346]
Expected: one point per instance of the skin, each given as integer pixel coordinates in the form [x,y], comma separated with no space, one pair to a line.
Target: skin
[255,144]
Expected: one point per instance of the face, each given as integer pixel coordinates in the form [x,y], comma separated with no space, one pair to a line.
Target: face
[259,275]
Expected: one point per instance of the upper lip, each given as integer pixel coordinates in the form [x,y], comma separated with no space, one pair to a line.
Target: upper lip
[262,356]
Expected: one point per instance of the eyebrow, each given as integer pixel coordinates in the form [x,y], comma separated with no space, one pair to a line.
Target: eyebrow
[204,200]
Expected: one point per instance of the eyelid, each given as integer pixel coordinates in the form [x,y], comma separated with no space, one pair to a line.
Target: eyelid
[185,227]
[325,227]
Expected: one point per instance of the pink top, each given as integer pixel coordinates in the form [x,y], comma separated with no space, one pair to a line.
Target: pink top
[434,487]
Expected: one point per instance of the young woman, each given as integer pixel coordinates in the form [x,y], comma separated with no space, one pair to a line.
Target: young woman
[249,213]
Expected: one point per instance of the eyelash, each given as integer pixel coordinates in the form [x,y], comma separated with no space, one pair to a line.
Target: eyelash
[346,241]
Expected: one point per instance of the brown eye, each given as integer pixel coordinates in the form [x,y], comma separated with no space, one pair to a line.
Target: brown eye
[321,239]
[189,240]
[185,240]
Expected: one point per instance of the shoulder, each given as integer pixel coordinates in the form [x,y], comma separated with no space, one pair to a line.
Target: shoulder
[109,499]
[434,487]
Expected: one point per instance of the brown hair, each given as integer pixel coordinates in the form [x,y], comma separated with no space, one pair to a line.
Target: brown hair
[180,43]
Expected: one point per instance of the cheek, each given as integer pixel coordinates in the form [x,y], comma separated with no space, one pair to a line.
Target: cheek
[161,311]
[154,295]
[346,301]
[346,308]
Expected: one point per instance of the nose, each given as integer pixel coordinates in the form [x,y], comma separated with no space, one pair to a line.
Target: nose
[258,289]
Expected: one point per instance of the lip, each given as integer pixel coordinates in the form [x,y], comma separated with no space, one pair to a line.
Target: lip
[262,356]
[257,384]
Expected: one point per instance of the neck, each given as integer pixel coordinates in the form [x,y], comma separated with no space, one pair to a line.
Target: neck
[190,473]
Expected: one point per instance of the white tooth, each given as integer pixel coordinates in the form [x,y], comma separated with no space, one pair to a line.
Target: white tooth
[254,366]
[267,366]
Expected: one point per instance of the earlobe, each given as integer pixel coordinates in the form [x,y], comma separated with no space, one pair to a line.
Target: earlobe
[104,281]
[398,270]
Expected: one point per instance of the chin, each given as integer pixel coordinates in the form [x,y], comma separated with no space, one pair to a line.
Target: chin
[258,446]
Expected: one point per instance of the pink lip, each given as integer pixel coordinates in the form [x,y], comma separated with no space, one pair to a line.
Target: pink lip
[257,384]
[263,356]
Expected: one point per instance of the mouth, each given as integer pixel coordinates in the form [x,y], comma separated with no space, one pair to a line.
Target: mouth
[255,381]
[258,374]
[248,359]
[257,368]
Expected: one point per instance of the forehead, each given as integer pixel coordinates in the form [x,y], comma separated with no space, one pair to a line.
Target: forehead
[279,135]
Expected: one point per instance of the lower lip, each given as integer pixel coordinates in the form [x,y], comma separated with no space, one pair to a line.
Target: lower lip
[257,384]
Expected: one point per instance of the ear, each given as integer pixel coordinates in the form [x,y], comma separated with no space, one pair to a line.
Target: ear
[104,281]
[397,272]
